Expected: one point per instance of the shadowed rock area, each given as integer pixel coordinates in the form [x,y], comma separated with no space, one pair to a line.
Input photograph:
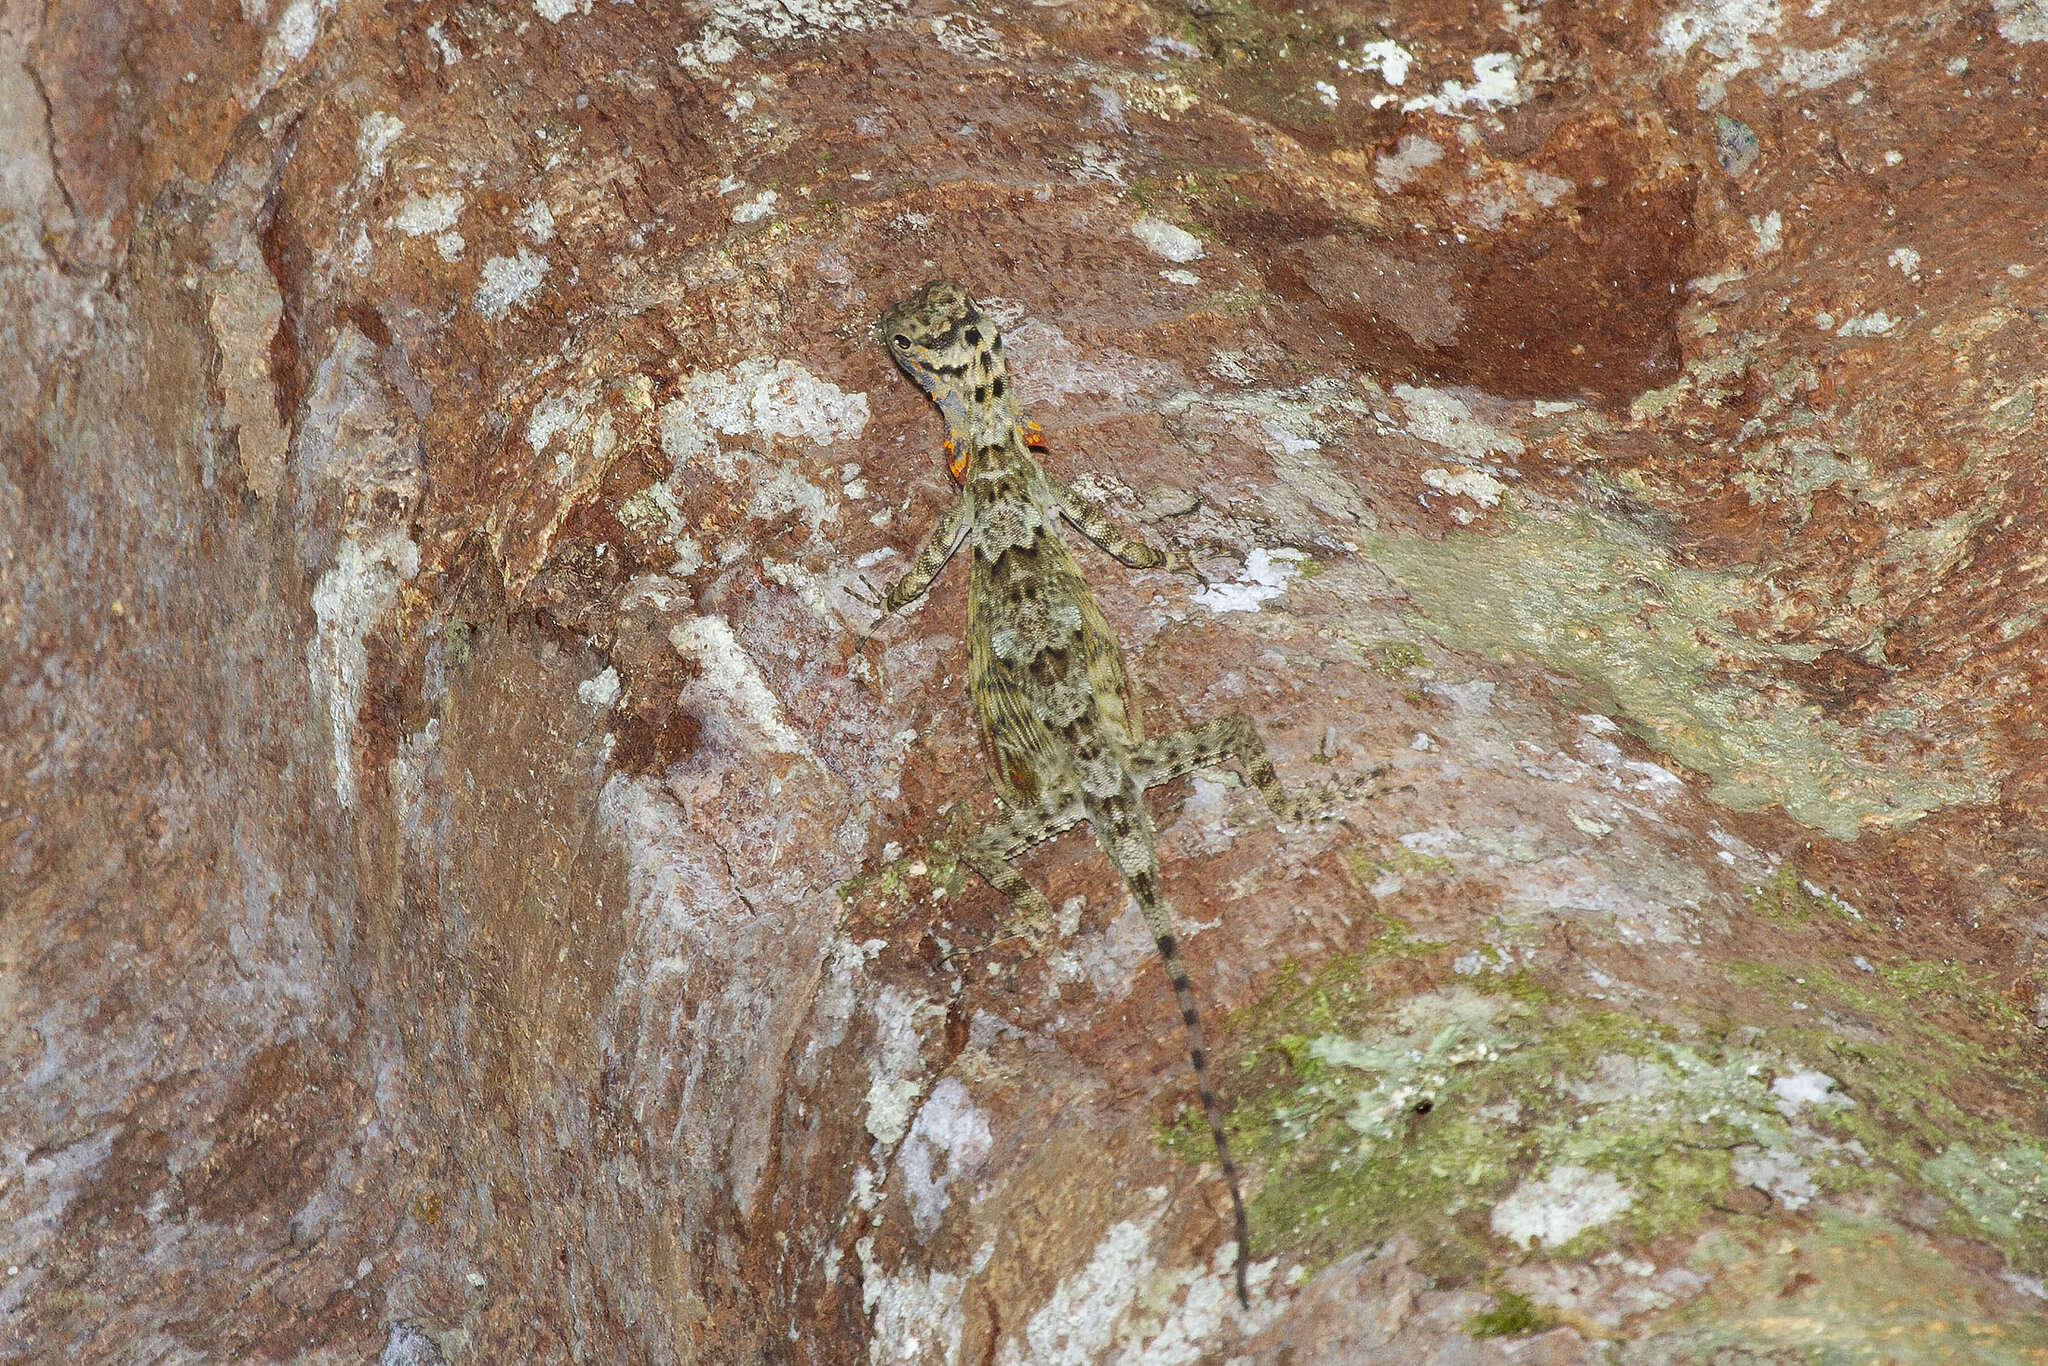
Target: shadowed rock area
[466,897]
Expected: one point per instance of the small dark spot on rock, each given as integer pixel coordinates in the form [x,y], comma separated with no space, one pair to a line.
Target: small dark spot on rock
[1735,144]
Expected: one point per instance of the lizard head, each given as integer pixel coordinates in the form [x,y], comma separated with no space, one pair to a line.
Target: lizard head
[940,339]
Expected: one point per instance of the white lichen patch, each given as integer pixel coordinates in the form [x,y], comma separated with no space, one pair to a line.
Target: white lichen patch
[1875,324]
[1814,69]
[1109,961]
[581,440]
[350,599]
[1078,1324]
[1517,190]
[917,1318]
[507,282]
[1410,157]
[1193,1325]
[1481,487]
[1777,1172]
[1618,1076]
[967,37]
[1166,241]
[554,11]
[1445,420]
[895,1066]
[1438,1033]
[734,23]
[437,34]
[1047,365]
[667,892]
[1264,577]
[423,214]
[948,1141]
[1560,1206]
[374,138]
[731,685]
[2021,21]
[537,221]
[830,596]
[1770,232]
[599,692]
[558,413]
[1123,1306]
[761,398]
[654,513]
[754,210]
[1308,488]
[785,490]
[1905,260]
[1161,47]
[1389,58]
[1496,84]
[1803,1087]
[1163,99]
[298,27]
[1729,31]
[405,1345]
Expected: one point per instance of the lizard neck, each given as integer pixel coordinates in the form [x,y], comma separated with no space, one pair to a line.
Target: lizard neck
[977,427]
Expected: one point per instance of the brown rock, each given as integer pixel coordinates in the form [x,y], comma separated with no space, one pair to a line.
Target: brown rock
[465,897]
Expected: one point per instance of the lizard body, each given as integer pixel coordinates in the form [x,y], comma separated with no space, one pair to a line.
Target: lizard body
[1065,742]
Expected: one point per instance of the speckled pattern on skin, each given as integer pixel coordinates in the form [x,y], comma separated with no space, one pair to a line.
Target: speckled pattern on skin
[1046,674]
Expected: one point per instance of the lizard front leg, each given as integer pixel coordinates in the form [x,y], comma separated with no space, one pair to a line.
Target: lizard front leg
[1233,736]
[1095,521]
[931,558]
[989,853]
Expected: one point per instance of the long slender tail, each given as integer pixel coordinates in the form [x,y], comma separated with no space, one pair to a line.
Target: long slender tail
[1125,833]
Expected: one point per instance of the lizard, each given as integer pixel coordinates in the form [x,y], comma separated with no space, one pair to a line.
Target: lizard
[1064,738]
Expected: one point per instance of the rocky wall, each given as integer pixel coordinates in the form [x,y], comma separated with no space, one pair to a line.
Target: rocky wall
[469,893]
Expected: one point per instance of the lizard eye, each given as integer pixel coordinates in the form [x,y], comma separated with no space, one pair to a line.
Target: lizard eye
[902,342]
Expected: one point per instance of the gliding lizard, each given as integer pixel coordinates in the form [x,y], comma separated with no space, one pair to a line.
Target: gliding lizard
[1064,739]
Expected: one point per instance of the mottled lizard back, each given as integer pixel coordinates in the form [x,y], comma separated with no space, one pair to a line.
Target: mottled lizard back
[1046,674]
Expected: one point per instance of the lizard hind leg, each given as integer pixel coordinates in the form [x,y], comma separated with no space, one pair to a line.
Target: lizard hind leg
[989,854]
[1233,736]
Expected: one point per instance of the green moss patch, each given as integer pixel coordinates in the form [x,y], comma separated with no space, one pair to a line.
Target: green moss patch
[1502,1120]
[1512,1316]
[1844,1292]
[1789,899]
[1480,1121]
[2001,1195]
[1598,599]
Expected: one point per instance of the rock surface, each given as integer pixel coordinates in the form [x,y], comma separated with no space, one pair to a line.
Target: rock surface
[466,898]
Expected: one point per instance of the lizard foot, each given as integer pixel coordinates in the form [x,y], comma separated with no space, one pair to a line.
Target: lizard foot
[1321,801]
[1031,920]
[869,596]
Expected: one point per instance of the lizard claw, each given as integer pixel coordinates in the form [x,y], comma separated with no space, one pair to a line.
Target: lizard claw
[869,596]
[1033,923]
[866,593]
[1184,562]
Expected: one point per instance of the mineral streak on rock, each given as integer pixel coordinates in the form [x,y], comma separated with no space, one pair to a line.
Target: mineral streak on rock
[462,899]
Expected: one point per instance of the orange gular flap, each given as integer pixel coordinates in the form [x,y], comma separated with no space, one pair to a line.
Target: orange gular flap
[1034,435]
[956,463]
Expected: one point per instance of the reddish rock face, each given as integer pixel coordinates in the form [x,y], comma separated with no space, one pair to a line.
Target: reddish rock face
[468,895]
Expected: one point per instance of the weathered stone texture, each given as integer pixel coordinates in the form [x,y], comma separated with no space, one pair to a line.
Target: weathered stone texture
[464,896]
